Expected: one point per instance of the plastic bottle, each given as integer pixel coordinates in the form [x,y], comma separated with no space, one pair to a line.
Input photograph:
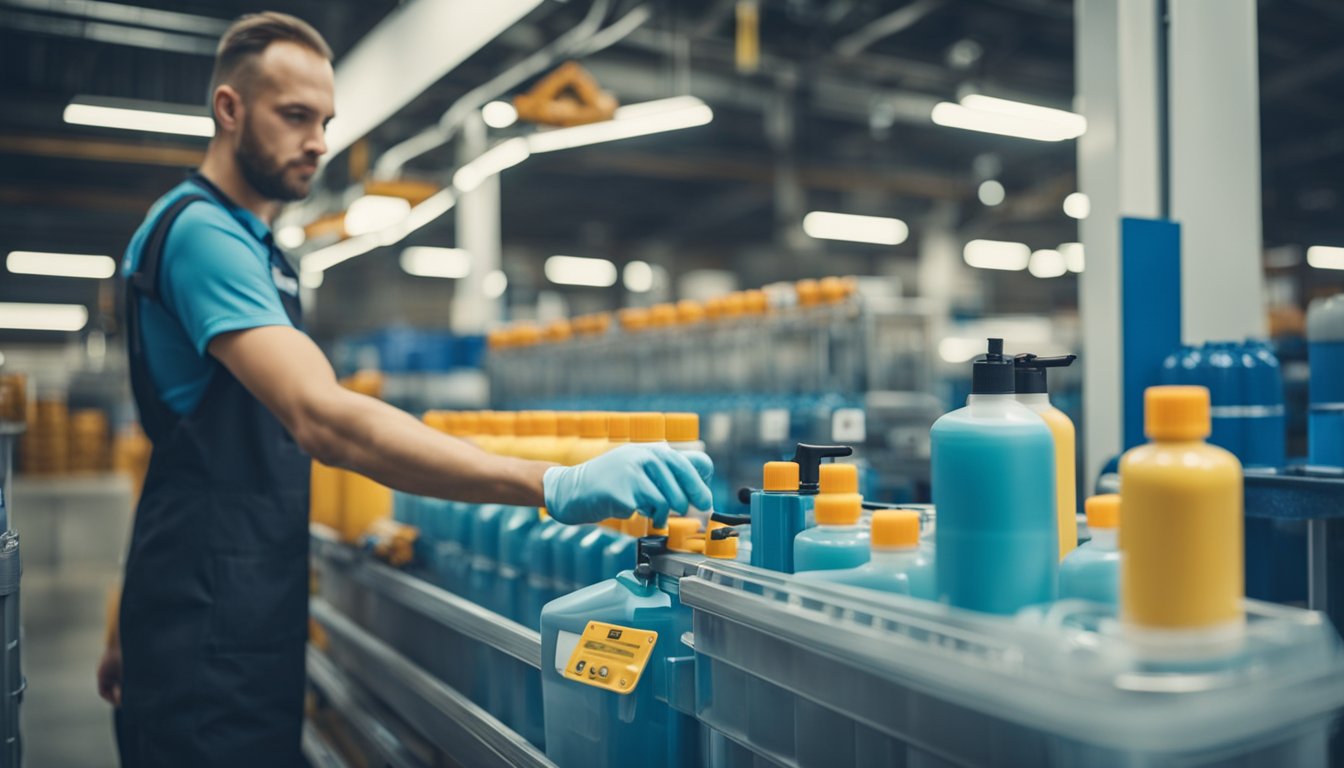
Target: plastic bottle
[470,427]
[838,541]
[1325,352]
[618,428]
[540,583]
[546,444]
[620,554]
[566,434]
[993,466]
[683,434]
[515,530]
[1266,433]
[1181,577]
[895,564]
[778,514]
[505,428]
[592,441]
[1092,571]
[1030,384]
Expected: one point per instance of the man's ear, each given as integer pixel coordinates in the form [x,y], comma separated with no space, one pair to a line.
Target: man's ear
[228,107]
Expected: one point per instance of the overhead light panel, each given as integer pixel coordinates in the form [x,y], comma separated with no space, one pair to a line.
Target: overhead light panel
[43,317]
[494,284]
[1073,256]
[291,237]
[579,270]
[991,192]
[997,254]
[499,114]
[1325,257]
[139,116]
[423,261]
[878,230]
[60,264]
[371,213]
[1004,117]
[1047,263]
[491,162]
[637,277]
[641,119]
[423,213]
[1077,206]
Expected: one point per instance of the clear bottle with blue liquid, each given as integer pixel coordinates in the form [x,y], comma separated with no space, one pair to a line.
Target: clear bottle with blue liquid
[993,466]
[838,541]
[1092,571]
[896,563]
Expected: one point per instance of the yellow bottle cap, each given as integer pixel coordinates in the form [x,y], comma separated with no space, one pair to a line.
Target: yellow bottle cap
[682,427]
[635,525]
[832,290]
[757,303]
[780,476]
[559,330]
[524,424]
[662,315]
[600,323]
[895,528]
[1103,511]
[838,478]
[634,319]
[544,424]
[618,427]
[680,535]
[647,428]
[714,308]
[734,305]
[720,549]
[690,312]
[567,424]
[470,423]
[435,420]
[497,339]
[838,508]
[505,423]
[1176,413]
[809,293]
[526,335]
[657,531]
[593,425]
[612,523]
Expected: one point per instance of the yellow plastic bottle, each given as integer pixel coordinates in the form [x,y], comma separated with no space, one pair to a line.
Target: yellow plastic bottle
[592,440]
[324,500]
[1181,577]
[566,433]
[362,501]
[506,432]
[1029,372]
[469,426]
[545,431]
[648,428]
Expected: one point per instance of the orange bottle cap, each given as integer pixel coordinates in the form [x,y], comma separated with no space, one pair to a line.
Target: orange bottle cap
[895,529]
[809,293]
[780,476]
[832,290]
[634,319]
[690,312]
[544,424]
[662,315]
[618,427]
[647,428]
[838,508]
[680,533]
[1176,413]
[593,425]
[525,424]
[635,525]
[567,424]
[470,422]
[682,427]
[720,549]
[838,478]
[1103,511]
[505,423]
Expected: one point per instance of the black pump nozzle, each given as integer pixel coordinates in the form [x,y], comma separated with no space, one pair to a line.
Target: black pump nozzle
[1029,371]
[727,519]
[719,534]
[992,373]
[808,458]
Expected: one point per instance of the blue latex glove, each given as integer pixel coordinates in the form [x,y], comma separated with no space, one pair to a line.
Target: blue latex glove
[650,479]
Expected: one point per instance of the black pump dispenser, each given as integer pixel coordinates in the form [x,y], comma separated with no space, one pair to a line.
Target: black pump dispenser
[1029,371]
[992,372]
[808,458]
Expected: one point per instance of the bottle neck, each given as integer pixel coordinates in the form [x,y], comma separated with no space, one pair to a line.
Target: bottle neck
[1034,399]
[891,555]
[1104,538]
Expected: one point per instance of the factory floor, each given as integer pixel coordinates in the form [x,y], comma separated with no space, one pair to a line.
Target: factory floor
[64,723]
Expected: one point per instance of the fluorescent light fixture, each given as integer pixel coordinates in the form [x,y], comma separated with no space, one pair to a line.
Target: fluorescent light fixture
[494,283]
[430,209]
[997,254]
[162,118]
[311,278]
[1325,257]
[630,121]
[987,114]
[499,114]
[960,350]
[291,237]
[423,261]
[371,213]
[1077,206]
[637,277]
[490,162]
[1073,256]
[43,317]
[879,230]
[60,264]
[991,192]
[578,270]
[1047,263]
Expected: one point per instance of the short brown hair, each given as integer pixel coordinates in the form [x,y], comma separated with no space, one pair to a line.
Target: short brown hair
[249,37]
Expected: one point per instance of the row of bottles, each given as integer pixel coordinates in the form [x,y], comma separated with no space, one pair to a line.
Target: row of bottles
[1246,389]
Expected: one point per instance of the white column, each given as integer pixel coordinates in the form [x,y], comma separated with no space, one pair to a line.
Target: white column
[1119,170]
[478,232]
[1214,107]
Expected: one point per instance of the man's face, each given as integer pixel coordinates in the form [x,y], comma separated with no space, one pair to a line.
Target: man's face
[286,110]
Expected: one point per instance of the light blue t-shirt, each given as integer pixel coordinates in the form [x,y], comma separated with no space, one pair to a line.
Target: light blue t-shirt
[215,276]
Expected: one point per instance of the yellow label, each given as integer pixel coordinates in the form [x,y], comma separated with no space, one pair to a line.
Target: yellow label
[610,656]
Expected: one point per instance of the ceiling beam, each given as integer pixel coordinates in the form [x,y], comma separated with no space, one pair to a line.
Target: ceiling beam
[66,198]
[104,150]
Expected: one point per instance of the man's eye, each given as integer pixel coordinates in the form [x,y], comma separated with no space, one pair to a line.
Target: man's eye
[295,117]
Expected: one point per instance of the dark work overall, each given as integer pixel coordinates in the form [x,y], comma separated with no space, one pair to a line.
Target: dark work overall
[214,606]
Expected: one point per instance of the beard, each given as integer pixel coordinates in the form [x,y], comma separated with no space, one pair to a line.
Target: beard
[266,175]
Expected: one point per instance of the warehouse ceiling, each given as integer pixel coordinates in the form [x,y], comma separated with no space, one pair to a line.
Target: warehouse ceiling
[835,118]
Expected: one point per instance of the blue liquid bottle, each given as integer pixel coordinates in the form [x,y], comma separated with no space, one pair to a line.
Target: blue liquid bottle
[515,529]
[896,564]
[994,488]
[540,587]
[1325,350]
[1092,571]
[838,541]
[778,514]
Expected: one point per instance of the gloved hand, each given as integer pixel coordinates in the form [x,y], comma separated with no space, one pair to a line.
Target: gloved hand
[650,479]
